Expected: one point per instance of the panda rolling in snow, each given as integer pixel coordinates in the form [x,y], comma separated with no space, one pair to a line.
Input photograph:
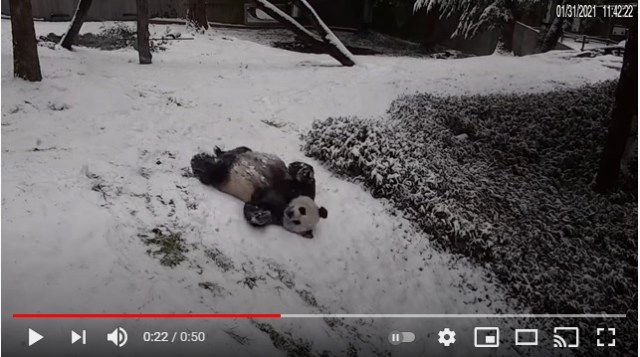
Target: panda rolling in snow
[272,192]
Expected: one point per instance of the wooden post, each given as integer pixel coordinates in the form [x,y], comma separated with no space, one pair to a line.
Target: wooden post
[144,53]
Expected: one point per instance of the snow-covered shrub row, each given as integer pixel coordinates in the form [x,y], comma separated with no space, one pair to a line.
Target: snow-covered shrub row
[504,180]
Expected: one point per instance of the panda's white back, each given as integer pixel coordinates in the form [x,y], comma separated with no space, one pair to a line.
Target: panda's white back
[252,171]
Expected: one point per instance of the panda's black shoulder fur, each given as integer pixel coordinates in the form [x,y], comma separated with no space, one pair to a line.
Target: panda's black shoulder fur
[211,170]
[302,181]
[214,169]
[239,150]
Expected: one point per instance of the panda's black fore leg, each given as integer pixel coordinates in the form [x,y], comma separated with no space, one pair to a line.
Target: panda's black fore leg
[256,215]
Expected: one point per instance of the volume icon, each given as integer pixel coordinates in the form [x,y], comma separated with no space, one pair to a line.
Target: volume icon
[118,337]
[75,337]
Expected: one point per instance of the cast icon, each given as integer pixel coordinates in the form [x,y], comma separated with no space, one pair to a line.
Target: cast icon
[564,337]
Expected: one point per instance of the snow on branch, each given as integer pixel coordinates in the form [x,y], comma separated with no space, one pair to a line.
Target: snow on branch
[327,35]
[283,17]
[328,42]
[474,15]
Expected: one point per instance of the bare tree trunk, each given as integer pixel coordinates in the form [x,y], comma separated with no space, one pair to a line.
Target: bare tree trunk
[332,42]
[329,43]
[76,24]
[144,53]
[631,149]
[281,17]
[302,33]
[505,38]
[550,39]
[26,64]
[625,110]
[197,13]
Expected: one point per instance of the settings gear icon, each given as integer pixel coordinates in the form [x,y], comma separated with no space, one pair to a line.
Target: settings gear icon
[447,337]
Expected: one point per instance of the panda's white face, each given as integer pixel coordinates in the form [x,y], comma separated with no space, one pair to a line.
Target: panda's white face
[301,216]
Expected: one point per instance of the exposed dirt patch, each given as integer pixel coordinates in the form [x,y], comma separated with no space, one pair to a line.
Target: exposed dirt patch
[285,342]
[219,259]
[110,38]
[215,289]
[243,340]
[304,48]
[169,246]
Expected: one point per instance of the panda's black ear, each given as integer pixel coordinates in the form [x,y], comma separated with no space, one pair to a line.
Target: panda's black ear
[323,212]
[307,234]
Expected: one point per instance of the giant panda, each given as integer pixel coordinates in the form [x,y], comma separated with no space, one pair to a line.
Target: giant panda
[272,192]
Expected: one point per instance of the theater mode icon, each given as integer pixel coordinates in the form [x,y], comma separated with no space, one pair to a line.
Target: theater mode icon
[526,337]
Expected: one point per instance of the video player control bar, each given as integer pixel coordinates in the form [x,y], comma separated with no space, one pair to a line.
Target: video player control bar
[289,316]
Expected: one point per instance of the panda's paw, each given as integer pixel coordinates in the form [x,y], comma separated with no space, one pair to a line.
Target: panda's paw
[260,218]
[301,171]
[257,216]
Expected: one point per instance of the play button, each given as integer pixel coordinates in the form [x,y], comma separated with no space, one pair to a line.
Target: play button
[34,337]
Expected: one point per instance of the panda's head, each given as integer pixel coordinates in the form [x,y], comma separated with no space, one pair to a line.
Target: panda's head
[301,216]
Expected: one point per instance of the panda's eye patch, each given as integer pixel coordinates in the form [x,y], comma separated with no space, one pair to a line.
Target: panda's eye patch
[302,210]
[296,222]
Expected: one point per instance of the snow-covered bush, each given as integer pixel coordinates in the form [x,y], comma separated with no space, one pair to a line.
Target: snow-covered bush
[504,180]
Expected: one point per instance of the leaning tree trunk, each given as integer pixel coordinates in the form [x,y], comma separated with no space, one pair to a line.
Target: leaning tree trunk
[333,44]
[26,64]
[76,24]
[328,42]
[197,13]
[144,53]
[505,38]
[553,34]
[625,110]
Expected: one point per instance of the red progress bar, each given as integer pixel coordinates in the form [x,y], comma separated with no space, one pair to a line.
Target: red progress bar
[146,316]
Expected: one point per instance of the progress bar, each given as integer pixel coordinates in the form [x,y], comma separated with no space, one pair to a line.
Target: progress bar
[459,316]
[306,316]
[145,316]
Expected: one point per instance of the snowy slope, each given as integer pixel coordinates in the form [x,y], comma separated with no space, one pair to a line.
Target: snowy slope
[113,138]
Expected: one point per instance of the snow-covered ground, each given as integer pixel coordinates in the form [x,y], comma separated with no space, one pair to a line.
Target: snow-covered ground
[112,138]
